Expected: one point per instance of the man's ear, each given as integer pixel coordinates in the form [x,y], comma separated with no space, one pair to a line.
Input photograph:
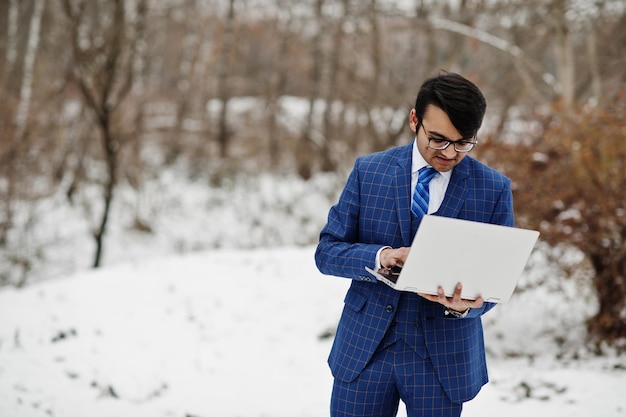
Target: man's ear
[413,122]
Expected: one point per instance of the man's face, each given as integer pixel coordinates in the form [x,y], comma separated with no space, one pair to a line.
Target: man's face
[436,125]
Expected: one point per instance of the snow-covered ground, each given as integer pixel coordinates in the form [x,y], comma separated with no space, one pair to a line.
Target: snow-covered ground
[218,310]
[246,333]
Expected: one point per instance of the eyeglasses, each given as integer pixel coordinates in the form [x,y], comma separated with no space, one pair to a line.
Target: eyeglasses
[461,145]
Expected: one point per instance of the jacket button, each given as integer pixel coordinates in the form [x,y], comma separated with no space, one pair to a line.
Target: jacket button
[416,324]
[389,308]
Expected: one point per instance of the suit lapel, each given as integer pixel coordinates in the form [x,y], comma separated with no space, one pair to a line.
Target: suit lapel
[452,202]
[455,194]
[403,192]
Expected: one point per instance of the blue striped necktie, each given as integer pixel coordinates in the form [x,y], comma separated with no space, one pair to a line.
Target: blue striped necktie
[419,206]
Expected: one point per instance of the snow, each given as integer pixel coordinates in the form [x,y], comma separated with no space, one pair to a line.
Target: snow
[232,332]
[219,310]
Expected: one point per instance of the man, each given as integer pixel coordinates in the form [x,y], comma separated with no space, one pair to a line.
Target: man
[425,350]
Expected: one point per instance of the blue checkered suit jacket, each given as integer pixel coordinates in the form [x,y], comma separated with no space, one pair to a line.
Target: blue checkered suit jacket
[373,211]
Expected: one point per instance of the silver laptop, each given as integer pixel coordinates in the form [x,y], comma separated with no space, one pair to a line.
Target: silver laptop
[487,259]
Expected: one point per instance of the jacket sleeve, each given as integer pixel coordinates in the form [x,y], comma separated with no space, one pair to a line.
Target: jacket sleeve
[339,251]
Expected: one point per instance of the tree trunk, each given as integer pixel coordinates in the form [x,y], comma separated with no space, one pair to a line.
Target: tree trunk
[332,70]
[104,83]
[594,63]
[564,54]
[276,85]
[608,324]
[111,156]
[185,82]
[11,42]
[376,58]
[23,107]
[224,93]
[304,147]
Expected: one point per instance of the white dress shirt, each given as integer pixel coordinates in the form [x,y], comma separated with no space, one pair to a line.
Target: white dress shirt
[436,188]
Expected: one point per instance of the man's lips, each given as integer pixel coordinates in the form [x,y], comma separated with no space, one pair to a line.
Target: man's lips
[445,160]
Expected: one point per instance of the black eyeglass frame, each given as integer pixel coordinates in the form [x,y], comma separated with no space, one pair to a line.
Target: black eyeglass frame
[448,142]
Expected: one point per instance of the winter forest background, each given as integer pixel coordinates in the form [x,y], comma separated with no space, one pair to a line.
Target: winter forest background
[133,129]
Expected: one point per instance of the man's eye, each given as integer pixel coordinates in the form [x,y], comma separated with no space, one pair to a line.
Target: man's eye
[438,141]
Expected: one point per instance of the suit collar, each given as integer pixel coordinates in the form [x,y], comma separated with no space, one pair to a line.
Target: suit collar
[452,202]
[456,192]
[403,191]
[405,156]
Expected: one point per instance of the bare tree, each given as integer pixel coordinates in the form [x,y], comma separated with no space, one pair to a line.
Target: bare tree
[277,82]
[8,104]
[26,89]
[103,46]
[12,17]
[331,90]
[184,81]
[18,135]
[564,52]
[309,137]
[225,65]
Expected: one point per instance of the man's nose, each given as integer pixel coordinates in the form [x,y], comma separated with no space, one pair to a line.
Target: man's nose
[449,152]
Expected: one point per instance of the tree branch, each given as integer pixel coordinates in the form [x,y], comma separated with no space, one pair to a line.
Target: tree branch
[521,60]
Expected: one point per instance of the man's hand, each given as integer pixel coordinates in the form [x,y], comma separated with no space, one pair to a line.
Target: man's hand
[393,257]
[455,302]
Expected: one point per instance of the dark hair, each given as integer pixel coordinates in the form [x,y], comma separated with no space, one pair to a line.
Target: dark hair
[462,101]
